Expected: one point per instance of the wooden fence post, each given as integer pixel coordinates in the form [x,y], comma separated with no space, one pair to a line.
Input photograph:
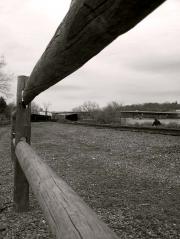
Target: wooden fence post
[22,129]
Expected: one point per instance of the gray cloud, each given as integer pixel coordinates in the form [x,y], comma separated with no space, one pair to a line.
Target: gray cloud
[168,65]
[66,88]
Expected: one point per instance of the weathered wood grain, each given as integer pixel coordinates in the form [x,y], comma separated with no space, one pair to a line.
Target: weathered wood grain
[88,27]
[68,216]
[22,129]
[13,126]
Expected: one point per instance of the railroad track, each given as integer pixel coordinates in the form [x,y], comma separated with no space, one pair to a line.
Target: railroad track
[151,130]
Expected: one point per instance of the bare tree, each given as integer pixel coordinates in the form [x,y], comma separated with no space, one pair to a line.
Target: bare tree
[35,108]
[112,112]
[91,109]
[87,106]
[5,79]
[46,106]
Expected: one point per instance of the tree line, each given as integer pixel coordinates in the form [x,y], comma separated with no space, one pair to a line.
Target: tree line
[115,106]
[112,111]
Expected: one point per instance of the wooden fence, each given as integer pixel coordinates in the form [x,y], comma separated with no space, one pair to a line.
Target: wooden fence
[88,27]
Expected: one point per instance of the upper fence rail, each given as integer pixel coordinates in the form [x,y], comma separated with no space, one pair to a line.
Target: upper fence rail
[88,27]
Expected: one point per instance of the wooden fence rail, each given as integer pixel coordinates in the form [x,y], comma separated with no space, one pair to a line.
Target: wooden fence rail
[68,216]
[88,27]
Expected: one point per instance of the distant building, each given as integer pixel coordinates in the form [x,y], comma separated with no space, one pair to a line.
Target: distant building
[45,113]
[40,118]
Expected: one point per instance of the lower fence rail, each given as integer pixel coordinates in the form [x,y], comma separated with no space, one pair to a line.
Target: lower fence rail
[67,214]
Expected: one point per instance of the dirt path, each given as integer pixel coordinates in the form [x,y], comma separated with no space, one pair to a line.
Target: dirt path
[130,179]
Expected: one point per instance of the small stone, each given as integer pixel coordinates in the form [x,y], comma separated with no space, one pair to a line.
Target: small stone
[3,227]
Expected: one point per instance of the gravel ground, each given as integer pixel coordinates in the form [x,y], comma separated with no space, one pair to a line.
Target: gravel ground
[130,179]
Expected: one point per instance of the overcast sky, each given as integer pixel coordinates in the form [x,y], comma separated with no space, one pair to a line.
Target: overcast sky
[140,66]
